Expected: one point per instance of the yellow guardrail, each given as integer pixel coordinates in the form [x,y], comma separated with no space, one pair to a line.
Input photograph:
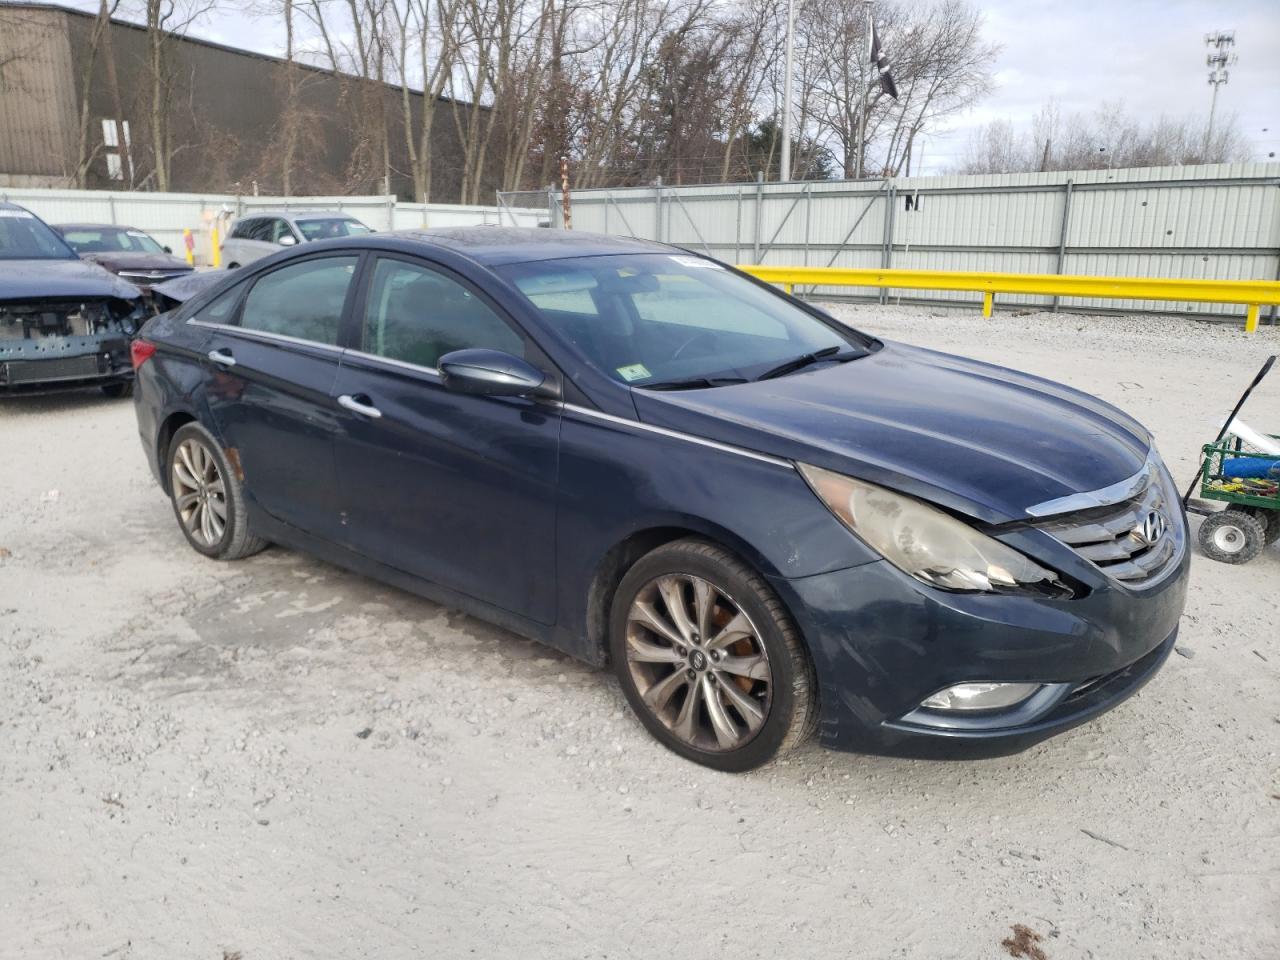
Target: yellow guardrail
[1252,293]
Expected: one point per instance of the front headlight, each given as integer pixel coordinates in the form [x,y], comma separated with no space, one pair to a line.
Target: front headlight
[927,543]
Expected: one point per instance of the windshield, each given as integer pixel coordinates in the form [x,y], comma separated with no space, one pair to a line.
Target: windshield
[109,240]
[327,227]
[24,237]
[664,320]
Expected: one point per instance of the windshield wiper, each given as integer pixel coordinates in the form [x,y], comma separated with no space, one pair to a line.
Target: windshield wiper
[692,383]
[799,363]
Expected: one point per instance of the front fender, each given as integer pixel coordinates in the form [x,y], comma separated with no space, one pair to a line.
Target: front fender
[619,478]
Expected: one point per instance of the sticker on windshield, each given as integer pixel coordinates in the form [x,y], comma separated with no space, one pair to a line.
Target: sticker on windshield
[637,371]
[697,262]
[16,215]
[135,233]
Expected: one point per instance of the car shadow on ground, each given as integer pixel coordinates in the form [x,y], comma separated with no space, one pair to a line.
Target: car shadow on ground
[63,401]
[287,621]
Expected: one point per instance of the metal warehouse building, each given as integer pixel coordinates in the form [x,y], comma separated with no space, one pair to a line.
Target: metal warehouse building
[224,117]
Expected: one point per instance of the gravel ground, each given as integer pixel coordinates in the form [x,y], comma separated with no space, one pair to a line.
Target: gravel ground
[278,759]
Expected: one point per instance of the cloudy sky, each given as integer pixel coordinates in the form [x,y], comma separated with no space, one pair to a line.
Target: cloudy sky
[1148,54]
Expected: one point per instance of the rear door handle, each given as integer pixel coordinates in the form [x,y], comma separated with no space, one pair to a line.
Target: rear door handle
[356,406]
[222,357]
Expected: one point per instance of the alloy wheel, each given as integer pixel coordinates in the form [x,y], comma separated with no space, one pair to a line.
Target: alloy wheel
[199,492]
[698,662]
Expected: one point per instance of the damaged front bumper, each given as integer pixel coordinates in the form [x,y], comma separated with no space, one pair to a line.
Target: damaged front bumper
[53,345]
[882,644]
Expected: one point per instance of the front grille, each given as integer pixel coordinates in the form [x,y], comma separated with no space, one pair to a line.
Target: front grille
[46,371]
[1117,538]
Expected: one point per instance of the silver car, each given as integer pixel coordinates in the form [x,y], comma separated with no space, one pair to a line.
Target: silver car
[266,231]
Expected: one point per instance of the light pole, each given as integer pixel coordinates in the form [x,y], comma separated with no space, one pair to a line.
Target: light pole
[864,95]
[1217,61]
[786,92]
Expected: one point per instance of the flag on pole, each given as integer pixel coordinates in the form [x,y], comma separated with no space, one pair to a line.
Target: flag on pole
[881,62]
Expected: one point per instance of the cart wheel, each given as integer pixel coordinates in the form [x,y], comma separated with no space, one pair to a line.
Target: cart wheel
[1231,536]
[1270,520]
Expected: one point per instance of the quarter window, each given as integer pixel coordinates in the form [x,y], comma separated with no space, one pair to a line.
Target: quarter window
[221,308]
[417,315]
[303,300]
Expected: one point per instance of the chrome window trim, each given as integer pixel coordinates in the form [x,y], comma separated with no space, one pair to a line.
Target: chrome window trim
[677,435]
[392,362]
[1103,497]
[252,334]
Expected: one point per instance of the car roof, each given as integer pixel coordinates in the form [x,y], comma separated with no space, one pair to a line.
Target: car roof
[297,214]
[498,245]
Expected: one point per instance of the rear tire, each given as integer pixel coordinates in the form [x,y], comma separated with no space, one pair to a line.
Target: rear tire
[119,389]
[1232,536]
[1270,522]
[725,681]
[207,496]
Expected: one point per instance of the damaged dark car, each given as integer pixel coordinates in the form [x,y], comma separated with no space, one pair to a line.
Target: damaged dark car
[65,323]
[129,253]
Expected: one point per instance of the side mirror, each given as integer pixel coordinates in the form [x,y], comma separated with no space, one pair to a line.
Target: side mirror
[287,240]
[168,250]
[492,373]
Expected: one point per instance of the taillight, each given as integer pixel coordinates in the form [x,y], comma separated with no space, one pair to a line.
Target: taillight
[140,351]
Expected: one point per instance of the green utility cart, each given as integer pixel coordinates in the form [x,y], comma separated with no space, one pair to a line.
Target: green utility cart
[1238,472]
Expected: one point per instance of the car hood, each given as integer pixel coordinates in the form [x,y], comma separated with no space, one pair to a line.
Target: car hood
[40,279]
[977,438]
[183,288]
[138,261]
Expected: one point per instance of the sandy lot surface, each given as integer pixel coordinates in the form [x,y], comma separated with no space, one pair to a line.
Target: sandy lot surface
[277,759]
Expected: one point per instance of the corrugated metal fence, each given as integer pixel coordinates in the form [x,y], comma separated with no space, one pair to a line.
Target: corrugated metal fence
[166,215]
[1218,221]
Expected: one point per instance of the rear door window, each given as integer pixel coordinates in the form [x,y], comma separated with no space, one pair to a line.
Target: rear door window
[302,300]
[258,229]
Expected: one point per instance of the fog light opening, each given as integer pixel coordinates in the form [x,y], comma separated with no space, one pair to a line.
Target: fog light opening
[980,696]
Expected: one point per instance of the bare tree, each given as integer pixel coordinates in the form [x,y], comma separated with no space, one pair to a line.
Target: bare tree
[609,78]
[425,47]
[85,152]
[166,20]
[500,72]
[1111,137]
[939,61]
[356,40]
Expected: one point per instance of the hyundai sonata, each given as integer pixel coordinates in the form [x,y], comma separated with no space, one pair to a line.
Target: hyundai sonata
[767,522]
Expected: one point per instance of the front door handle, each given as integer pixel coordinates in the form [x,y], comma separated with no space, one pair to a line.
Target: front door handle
[356,406]
[222,358]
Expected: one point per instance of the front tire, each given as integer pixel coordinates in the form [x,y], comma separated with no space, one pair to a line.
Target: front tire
[207,497]
[1231,536]
[708,658]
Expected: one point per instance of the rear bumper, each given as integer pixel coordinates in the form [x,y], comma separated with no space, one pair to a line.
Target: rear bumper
[882,643]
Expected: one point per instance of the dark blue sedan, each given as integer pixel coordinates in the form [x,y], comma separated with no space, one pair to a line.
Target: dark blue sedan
[766,521]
